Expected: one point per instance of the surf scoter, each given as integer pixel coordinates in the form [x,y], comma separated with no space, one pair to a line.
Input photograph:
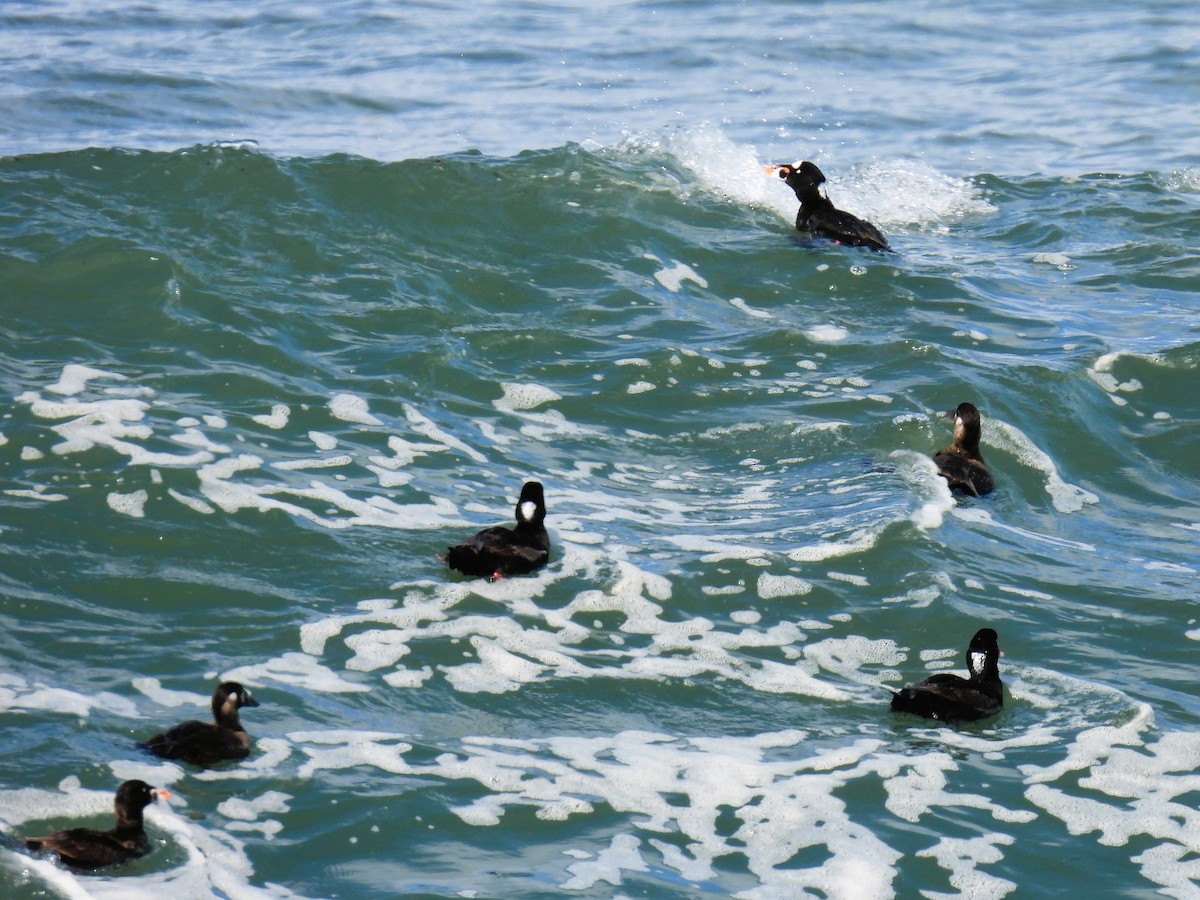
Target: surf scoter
[499,551]
[208,743]
[91,848]
[952,698]
[817,213]
[961,463]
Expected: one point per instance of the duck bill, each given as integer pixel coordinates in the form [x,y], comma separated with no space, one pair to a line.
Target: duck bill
[769,170]
[162,794]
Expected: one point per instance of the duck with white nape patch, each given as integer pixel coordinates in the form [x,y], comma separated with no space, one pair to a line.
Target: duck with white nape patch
[951,698]
[499,551]
[817,214]
[208,743]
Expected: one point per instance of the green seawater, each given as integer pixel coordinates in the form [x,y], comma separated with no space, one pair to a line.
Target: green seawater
[249,399]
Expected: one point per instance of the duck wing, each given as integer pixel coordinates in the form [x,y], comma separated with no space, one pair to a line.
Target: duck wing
[501,551]
[963,474]
[88,848]
[947,698]
[843,227]
[199,743]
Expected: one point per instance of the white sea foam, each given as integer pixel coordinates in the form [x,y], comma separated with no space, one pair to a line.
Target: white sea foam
[278,417]
[891,193]
[673,277]
[1067,498]
[524,396]
[739,303]
[826,334]
[75,378]
[323,441]
[773,586]
[132,504]
[858,541]
[1146,779]
[17,693]
[353,409]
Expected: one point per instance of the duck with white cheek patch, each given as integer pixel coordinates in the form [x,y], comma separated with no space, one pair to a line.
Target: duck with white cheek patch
[961,464]
[207,743]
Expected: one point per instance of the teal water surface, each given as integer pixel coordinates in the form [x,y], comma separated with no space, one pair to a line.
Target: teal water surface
[255,387]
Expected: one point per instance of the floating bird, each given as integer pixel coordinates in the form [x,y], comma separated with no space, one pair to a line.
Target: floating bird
[91,848]
[961,463]
[952,698]
[817,213]
[499,551]
[208,743]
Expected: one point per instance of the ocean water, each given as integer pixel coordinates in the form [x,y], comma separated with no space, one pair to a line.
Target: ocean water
[293,297]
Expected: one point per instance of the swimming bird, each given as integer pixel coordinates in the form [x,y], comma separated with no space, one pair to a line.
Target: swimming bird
[817,213]
[208,743]
[952,698]
[961,464]
[91,848]
[499,551]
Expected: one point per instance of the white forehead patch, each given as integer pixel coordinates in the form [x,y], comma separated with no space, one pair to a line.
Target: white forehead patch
[527,509]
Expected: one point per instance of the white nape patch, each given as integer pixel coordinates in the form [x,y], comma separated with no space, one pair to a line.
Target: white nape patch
[353,409]
[277,419]
[978,661]
[826,334]
[132,504]
[75,377]
[740,304]
[528,508]
[672,278]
